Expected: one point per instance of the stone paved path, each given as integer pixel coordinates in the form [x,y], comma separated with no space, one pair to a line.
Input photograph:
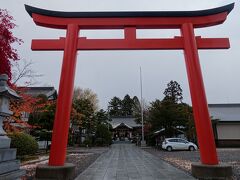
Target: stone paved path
[128,162]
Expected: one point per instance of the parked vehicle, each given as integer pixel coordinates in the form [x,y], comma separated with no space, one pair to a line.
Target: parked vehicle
[170,144]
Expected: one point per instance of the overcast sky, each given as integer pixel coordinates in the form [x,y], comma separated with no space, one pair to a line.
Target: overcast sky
[116,73]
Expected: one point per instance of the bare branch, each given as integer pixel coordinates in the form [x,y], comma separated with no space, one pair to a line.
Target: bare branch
[24,71]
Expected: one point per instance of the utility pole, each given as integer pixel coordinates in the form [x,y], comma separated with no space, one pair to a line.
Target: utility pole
[108,116]
[143,142]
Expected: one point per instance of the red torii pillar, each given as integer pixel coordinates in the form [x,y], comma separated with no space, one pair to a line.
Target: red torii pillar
[186,21]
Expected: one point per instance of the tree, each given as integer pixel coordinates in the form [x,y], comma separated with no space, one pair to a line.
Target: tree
[86,94]
[8,59]
[115,106]
[173,92]
[43,113]
[101,117]
[7,52]
[127,106]
[170,113]
[136,105]
[155,115]
[18,107]
[42,118]
[190,124]
[165,114]
[137,111]
[24,71]
[103,135]
[84,107]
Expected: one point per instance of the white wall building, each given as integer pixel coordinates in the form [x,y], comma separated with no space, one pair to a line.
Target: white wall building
[226,124]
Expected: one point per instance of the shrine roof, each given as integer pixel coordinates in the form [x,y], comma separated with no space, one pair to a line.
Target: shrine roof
[123,14]
[127,121]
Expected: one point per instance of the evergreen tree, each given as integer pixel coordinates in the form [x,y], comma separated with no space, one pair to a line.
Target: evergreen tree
[127,106]
[173,92]
[115,107]
[102,117]
[163,114]
[169,113]
[137,111]
[136,106]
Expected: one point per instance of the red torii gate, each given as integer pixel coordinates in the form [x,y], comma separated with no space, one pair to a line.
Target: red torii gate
[186,21]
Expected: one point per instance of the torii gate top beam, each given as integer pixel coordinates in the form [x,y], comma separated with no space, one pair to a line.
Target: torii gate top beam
[138,19]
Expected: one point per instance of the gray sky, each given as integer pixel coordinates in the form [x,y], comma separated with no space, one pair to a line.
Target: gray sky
[116,73]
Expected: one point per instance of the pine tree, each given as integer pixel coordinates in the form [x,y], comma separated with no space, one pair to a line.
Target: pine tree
[115,107]
[173,92]
[127,106]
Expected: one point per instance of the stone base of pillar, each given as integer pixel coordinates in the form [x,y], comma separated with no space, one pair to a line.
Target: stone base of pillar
[45,172]
[210,172]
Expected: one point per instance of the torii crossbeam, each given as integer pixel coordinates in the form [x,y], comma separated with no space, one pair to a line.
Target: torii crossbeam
[186,21]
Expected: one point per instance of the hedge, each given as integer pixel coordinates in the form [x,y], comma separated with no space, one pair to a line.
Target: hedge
[24,143]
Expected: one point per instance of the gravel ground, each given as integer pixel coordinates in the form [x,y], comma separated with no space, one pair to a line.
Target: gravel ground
[81,161]
[80,157]
[183,159]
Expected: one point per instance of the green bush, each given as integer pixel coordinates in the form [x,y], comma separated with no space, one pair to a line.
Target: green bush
[103,135]
[24,143]
[87,142]
[100,142]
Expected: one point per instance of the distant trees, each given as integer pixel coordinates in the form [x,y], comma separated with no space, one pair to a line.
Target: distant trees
[115,106]
[127,106]
[85,104]
[124,107]
[86,117]
[87,93]
[171,113]
[102,117]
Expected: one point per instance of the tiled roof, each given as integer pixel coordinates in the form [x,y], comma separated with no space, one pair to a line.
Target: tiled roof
[50,92]
[130,122]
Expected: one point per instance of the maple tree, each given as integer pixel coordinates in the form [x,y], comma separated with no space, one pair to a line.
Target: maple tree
[7,52]
[26,105]
[8,58]
[43,111]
